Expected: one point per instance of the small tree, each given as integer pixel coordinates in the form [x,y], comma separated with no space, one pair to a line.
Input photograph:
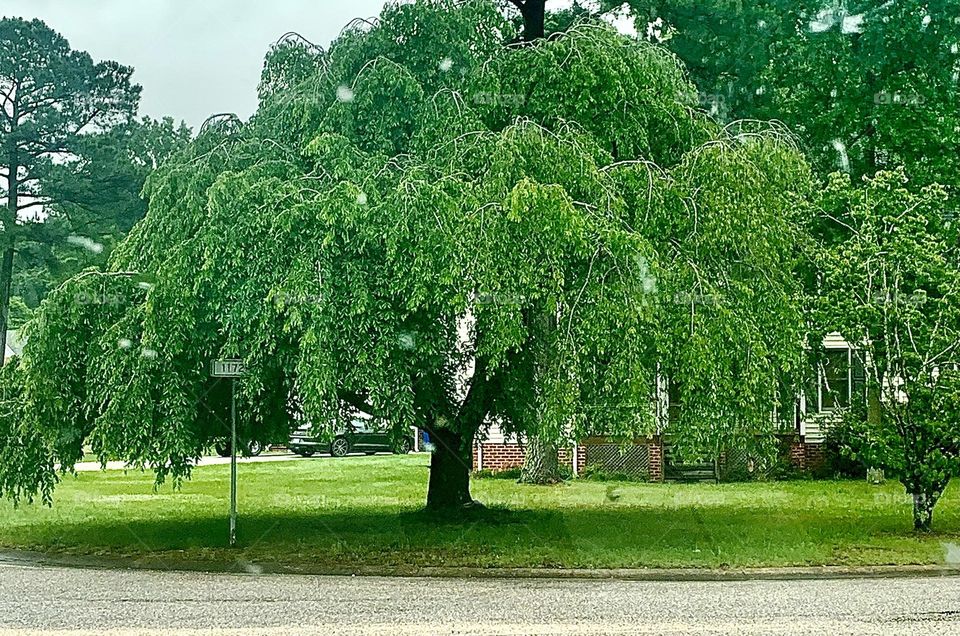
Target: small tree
[892,289]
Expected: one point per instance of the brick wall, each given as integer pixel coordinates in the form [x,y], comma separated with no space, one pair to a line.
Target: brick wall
[814,458]
[504,456]
[806,456]
[798,456]
[497,457]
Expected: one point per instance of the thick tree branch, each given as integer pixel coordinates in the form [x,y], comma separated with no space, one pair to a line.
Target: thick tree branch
[476,404]
[534,18]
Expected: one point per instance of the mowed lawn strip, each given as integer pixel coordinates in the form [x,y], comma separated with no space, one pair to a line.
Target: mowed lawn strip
[368,511]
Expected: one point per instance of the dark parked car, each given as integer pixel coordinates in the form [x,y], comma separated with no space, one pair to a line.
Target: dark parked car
[359,437]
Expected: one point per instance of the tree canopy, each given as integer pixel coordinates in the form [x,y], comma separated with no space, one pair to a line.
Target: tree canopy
[892,288]
[864,85]
[439,229]
[95,201]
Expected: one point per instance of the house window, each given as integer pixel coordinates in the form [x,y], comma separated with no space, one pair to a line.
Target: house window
[835,380]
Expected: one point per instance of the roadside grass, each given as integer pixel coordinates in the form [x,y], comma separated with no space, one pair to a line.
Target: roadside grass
[356,511]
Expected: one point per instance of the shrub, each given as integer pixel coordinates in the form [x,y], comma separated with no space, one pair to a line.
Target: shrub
[845,446]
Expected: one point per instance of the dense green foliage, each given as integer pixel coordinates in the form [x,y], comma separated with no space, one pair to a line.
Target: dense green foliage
[442,231]
[94,201]
[866,85]
[50,95]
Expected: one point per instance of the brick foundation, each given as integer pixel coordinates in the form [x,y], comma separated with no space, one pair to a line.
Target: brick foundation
[497,457]
[656,460]
[798,457]
[806,456]
[504,456]
[814,459]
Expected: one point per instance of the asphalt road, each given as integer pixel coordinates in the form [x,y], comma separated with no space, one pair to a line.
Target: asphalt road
[48,600]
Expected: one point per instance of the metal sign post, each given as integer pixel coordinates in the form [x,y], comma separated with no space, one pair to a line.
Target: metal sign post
[231,369]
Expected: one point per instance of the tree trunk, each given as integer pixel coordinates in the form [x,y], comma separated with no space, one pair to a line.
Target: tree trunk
[923,504]
[449,486]
[873,405]
[534,16]
[534,13]
[540,465]
[6,276]
[9,243]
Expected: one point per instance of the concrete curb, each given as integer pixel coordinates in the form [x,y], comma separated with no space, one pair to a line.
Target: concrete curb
[172,564]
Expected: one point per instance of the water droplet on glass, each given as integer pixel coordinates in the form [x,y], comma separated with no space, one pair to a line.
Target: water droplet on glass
[86,243]
[344,94]
[843,159]
[149,354]
[446,64]
[124,343]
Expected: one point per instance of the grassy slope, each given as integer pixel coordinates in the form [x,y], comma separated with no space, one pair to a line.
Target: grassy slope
[366,510]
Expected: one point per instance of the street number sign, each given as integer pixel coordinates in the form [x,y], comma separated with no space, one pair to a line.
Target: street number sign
[226,368]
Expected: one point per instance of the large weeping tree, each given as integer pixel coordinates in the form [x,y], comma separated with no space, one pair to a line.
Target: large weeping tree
[435,229]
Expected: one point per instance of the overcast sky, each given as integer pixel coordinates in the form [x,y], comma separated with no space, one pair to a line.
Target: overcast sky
[193,58]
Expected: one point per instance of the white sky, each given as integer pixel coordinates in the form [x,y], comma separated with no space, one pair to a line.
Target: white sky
[193,58]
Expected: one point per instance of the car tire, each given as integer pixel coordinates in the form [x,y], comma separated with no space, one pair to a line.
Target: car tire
[222,448]
[406,445]
[339,447]
[306,452]
[255,448]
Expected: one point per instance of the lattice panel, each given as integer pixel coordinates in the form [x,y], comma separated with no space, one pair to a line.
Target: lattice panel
[613,458]
[736,463]
[736,460]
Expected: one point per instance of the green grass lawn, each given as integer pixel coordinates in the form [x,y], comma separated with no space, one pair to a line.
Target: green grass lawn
[367,511]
